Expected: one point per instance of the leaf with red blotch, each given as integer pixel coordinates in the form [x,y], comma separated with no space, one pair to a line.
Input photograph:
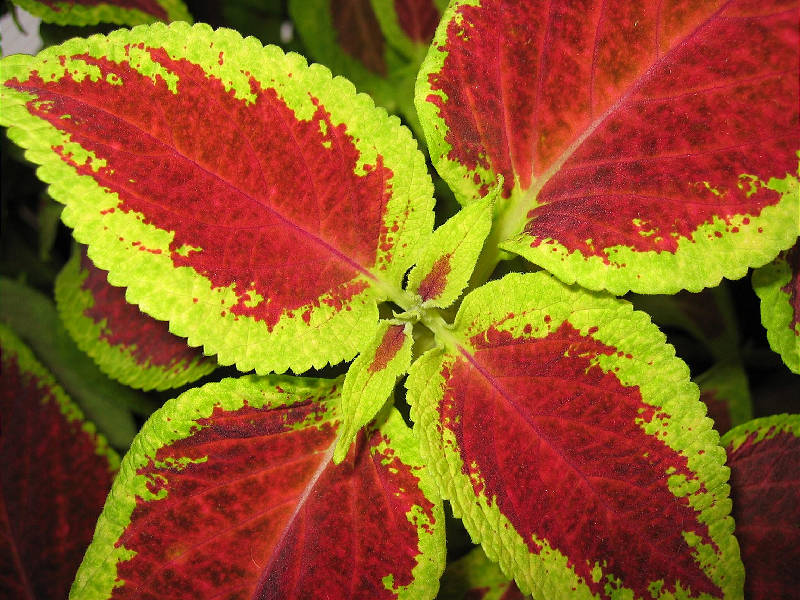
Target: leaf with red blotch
[569,439]
[475,577]
[229,491]
[55,473]
[764,455]
[126,344]
[778,286]
[258,205]
[445,265]
[377,44]
[724,389]
[371,378]
[644,146]
[92,12]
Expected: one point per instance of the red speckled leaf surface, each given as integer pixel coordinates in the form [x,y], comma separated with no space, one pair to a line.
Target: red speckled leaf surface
[55,473]
[126,344]
[566,460]
[238,498]
[621,129]
[764,457]
[264,201]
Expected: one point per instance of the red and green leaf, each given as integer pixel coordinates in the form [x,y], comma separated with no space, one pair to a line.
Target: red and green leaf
[260,206]
[370,380]
[475,577]
[125,343]
[91,12]
[569,439]
[55,473]
[644,146]
[229,490]
[444,267]
[764,455]
[778,286]
[724,389]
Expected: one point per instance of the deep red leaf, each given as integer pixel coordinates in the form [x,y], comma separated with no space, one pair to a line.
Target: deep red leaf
[418,18]
[359,33]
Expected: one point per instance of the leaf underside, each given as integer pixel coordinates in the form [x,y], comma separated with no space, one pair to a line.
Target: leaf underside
[573,466]
[125,343]
[229,490]
[238,193]
[92,12]
[778,286]
[765,486]
[55,472]
[644,147]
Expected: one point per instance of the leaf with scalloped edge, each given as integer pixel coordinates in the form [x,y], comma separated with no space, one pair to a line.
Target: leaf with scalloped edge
[371,378]
[125,343]
[724,389]
[444,267]
[92,12]
[778,286]
[475,577]
[259,206]
[764,455]
[644,146]
[229,489]
[570,441]
[55,473]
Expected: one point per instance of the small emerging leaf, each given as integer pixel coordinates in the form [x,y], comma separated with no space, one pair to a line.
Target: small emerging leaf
[92,12]
[569,439]
[764,455]
[55,473]
[370,380]
[444,268]
[125,343]
[725,391]
[475,577]
[778,286]
[229,491]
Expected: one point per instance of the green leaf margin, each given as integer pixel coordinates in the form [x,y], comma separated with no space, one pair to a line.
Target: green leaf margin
[73,13]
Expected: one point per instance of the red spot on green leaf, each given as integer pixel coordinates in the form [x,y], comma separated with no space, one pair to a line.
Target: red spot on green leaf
[434,283]
[149,341]
[265,201]
[558,445]
[390,345]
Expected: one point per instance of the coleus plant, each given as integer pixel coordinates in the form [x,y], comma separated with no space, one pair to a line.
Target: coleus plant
[281,221]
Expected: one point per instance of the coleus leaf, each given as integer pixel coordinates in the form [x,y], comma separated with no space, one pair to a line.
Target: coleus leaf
[569,439]
[370,380]
[408,25]
[125,343]
[91,12]
[475,577]
[246,197]
[108,404]
[643,146]
[725,391]
[444,267]
[764,455]
[55,473]
[778,286]
[229,490]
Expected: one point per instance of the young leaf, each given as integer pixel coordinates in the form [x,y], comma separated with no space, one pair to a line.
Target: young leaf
[55,472]
[370,380]
[408,25]
[778,286]
[725,391]
[444,267]
[229,490]
[107,404]
[260,206]
[91,12]
[644,146]
[125,343]
[569,439]
[765,486]
[475,577]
